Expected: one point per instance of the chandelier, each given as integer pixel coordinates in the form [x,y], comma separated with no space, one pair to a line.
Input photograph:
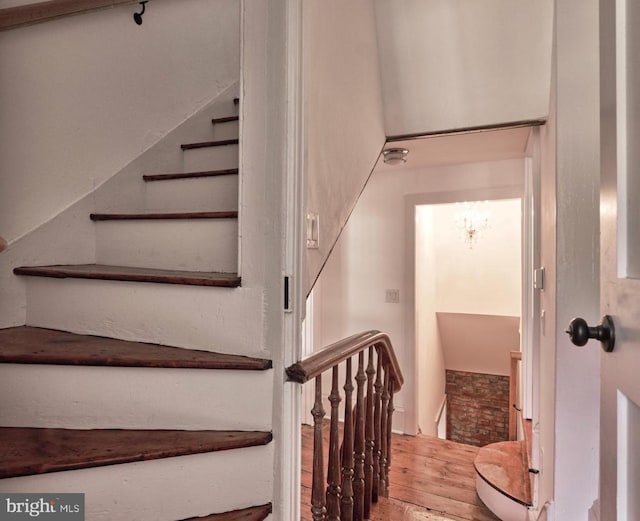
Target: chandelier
[472,220]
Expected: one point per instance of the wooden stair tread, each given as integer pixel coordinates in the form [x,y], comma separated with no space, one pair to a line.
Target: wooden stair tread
[205,144]
[503,465]
[227,119]
[190,175]
[158,216]
[257,513]
[33,345]
[123,273]
[26,451]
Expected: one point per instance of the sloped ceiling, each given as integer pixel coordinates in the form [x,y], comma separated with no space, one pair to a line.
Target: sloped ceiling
[465,147]
[465,63]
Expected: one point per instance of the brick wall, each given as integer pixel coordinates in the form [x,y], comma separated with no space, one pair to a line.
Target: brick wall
[477,407]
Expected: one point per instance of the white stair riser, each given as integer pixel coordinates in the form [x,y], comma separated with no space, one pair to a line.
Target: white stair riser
[210,158]
[202,194]
[505,508]
[165,489]
[198,245]
[228,130]
[225,320]
[134,398]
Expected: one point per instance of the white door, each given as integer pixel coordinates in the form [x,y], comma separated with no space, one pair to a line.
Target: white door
[620,258]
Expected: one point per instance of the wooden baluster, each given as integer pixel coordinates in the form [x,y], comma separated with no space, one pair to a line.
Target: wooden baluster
[368,456]
[358,477]
[389,424]
[377,432]
[346,503]
[384,443]
[318,509]
[333,474]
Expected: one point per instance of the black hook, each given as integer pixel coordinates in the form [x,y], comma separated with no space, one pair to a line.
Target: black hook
[137,17]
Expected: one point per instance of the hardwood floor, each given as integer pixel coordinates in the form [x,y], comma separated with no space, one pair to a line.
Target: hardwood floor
[430,480]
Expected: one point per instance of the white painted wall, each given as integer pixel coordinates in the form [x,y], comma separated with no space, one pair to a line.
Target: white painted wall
[371,257]
[465,276]
[431,365]
[478,343]
[343,114]
[449,65]
[82,96]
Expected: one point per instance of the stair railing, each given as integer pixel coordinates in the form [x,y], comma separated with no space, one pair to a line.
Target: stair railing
[37,12]
[358,466]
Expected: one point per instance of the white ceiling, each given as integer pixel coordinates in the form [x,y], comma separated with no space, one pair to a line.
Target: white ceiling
[465,63]
[469,147]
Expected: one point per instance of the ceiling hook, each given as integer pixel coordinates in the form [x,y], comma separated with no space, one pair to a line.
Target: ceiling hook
[137,17]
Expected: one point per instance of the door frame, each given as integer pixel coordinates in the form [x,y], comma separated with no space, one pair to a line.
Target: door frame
[410,203]
[280,25]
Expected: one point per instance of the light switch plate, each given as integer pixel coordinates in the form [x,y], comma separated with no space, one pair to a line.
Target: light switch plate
[313,231]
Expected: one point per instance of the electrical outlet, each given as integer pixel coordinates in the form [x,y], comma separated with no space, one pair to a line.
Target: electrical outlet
[392,296]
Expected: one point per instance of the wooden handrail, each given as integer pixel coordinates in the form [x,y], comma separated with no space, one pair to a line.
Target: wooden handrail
[514,358]
[338,352]
[358,473]
[12,17]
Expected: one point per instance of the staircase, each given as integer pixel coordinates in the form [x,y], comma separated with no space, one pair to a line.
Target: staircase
[504,477]
[132,381]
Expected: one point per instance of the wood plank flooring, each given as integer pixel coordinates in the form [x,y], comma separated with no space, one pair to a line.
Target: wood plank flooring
[430,480]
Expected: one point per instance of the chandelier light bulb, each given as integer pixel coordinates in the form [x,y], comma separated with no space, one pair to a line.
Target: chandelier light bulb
[472,220]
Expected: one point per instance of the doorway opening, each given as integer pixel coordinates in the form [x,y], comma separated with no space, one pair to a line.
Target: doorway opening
[369,281]
[468,265]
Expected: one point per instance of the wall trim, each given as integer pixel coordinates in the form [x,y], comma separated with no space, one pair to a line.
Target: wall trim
[287,485]
[468,130]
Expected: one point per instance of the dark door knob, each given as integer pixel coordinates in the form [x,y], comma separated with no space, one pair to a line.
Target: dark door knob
[580,332]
